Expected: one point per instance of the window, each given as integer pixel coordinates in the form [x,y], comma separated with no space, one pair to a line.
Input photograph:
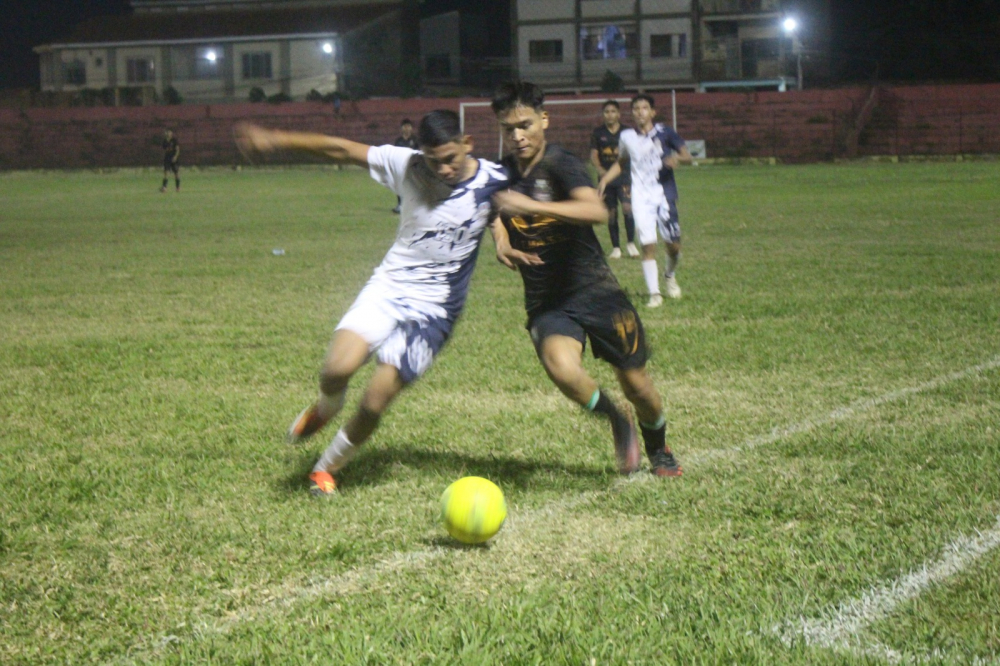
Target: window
[208,63]
[256,65]
[139,70]
[545,50]
[75,73]
[438,66]
[668,46]
[609,42]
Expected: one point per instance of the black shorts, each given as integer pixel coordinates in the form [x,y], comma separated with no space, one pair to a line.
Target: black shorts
[170,165]
[615,193]
[602,314]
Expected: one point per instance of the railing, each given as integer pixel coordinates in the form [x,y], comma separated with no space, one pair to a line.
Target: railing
[739,6]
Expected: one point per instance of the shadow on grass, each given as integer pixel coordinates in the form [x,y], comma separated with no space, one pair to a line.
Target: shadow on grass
[374,467]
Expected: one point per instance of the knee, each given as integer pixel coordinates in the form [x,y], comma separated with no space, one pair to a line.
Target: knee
[561,366]
[373,405]
[333,380]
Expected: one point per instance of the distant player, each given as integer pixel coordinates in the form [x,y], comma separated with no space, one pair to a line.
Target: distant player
[171,160]
[546,230]
[405,313]
[603,154]
[654,151]
[404,140]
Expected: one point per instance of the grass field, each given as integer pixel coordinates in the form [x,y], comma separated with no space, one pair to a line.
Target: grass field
[833,382]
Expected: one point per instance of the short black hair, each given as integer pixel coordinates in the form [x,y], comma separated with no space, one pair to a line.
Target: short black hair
[406,121]
[517,93]
[438,128]
[610,102]
[644,97]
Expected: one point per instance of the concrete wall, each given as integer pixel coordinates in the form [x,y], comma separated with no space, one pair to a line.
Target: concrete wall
[794,126]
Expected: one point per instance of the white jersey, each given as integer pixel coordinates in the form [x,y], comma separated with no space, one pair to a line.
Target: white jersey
[645,153]
[440,226]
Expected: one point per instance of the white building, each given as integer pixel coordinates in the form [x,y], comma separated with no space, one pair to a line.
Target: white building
[220,50]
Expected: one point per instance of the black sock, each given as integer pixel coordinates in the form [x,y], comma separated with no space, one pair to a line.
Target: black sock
[178,181]
[604,406]
[655,439]
[164,182]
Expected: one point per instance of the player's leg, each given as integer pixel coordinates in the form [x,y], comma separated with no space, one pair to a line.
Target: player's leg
[646,215]
[386,383]
[559,344]
[347,353]
[177,176]
[625,197]
[670,229]
[611,203]
[640,391]
[166,171]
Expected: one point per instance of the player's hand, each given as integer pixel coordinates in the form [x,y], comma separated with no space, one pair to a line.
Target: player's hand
[601,186]
[512,258]
[252,139]
[671,161]
[514,203]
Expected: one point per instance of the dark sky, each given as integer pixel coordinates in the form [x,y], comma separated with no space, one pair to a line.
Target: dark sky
[904,40]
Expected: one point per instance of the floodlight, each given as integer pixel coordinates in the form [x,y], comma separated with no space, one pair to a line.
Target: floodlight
[790,25]
[210,55]
[328,47]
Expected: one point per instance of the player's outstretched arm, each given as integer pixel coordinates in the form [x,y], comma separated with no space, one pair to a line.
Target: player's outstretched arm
[253,139]
[583,206]
[609,175]
[683,156]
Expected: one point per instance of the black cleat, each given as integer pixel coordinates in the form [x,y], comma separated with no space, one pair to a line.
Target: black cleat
[663,463]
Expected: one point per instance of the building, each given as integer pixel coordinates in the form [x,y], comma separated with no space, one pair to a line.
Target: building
[220,50]
[655,44]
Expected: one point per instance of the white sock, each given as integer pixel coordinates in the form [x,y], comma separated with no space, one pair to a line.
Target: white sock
[672,264]
[328,406]
[336,455]
[652,277]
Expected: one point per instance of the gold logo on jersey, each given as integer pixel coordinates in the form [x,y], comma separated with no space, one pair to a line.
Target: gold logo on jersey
[628,330]
[537,232]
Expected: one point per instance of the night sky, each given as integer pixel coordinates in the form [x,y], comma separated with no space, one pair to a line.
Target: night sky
[900,40]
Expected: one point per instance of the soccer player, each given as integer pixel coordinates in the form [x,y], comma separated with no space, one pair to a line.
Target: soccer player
[171,155]
[603,154]
[404,140]
[654,151]
[405,313]
[545,229]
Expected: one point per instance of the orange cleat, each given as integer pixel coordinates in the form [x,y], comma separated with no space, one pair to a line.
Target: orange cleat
[305,425]
[321,484]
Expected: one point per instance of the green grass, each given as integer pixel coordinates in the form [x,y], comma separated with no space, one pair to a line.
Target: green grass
[153,351]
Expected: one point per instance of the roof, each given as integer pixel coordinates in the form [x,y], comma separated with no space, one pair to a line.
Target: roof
[175,26]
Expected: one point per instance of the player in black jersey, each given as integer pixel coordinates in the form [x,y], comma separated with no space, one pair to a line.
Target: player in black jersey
[545,228]
[171,155]
[404,140]
[603,155]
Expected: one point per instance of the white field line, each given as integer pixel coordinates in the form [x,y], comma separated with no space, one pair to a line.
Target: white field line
[402,561]
[841,627]
[847,412]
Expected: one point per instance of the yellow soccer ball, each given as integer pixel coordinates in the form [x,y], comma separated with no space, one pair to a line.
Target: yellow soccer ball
[473,509]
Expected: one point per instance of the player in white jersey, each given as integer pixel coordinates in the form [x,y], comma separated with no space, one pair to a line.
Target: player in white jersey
[654,151]
[406,311]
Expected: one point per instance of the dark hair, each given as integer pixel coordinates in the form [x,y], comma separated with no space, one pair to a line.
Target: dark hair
[517,93]
[406,121]
[644,97]
[610,102]
[438,128]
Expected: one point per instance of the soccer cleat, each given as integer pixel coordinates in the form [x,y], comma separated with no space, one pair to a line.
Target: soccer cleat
[163,189]
[305,425]
[663,463]
[321,484]
[396,210]
[632,250]
[616,253]
[626,444]
[673,289]
[655,301]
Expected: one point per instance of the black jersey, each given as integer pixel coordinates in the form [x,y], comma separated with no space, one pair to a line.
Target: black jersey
[170,147]
[572,256]
[605,142]
[406,143]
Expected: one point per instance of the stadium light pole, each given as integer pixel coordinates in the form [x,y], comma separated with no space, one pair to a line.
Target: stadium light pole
[791,27]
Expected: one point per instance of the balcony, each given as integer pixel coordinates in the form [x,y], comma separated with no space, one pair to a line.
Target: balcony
[732,8]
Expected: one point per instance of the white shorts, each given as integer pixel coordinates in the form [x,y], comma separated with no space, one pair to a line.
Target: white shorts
[406,332]
[655,216]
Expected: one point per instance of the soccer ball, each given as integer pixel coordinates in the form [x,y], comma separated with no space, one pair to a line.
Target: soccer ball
[473,509]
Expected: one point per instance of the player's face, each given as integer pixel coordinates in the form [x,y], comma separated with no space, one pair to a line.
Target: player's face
[407,130]
[611,115]
[524,130]
[643,113]
[448,161]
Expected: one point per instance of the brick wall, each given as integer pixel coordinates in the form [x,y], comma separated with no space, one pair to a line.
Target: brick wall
[794,126]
